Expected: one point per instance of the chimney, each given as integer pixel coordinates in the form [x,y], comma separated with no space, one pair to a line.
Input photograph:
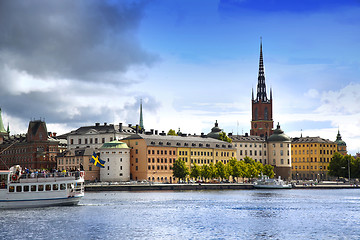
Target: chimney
[129,124]
[137,129]
[105,123]
[246,134]
[156,132]
[152,131]
[120,127]
[54,134]
[230,134]
[97,124]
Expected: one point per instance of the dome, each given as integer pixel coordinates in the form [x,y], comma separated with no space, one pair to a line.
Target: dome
[278,136]
[114,144]
[215,131]
[339,141]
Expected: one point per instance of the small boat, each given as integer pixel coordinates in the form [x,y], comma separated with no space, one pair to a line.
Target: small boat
[39,189]
[271,183]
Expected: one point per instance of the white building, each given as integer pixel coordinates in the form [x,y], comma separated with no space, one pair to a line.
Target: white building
[117,162]
[95,136]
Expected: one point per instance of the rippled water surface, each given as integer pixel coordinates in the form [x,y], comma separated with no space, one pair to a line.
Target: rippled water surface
[232,214]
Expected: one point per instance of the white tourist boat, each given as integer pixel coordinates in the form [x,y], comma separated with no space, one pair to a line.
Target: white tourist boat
[271,183]
[39,190]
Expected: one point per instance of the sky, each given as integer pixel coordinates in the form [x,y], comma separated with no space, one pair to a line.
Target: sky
[192,62]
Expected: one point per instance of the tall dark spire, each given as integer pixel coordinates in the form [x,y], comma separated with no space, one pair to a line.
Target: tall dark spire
[261,87]
[141,123]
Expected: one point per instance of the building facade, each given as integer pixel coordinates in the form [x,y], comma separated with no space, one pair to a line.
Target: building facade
[117,162]
[262,118]
[310,157]
[34,150]
[95,136]
[254,147]
[73,158]
[152,156]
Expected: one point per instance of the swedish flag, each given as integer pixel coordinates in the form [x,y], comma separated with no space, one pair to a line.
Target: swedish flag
[97,161]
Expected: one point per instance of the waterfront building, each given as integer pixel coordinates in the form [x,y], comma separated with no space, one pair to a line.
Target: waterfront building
[274,150]
[95,136]
[73,158]
[117,162]
[152,155]
[262,119]
[341,145]
[310,157]
[34,150]
[254,147]
[279,149]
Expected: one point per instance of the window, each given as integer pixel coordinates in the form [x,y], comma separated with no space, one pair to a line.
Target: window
[62,186]
[26,188]
[48,187]
[55,187]
[18,188]
[33,188]
[96,140]
[41,188]
[79,140]
[71,141]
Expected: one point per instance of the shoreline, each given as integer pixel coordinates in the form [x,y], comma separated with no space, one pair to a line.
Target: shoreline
[203,186]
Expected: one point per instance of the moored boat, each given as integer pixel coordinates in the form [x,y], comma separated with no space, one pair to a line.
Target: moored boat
[271,183]
[39,189]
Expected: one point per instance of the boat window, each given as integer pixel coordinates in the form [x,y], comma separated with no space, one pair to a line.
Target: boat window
[69,185]
[18,188]
[55,187]
[33,188]
[26,188]
[48,187]
[41,188]
[62,186]
[11,188]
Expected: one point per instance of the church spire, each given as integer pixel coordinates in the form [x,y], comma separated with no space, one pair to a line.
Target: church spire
[141,123]
[2,128]
[261,87]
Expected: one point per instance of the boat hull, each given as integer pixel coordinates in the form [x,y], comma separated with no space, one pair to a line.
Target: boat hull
[272,186]
[34,203]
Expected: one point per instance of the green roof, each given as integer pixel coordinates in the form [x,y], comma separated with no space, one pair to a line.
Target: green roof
[115,144]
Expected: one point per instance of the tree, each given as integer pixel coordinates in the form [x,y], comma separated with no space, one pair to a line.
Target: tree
[212,170]
[268,170]
[224,137]
[172,132]
[205,171]
[221,170]
[195,171]
[338,166]
[179,169]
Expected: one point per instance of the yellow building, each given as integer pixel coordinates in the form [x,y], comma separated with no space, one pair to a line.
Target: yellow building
[152,156]
[310,157]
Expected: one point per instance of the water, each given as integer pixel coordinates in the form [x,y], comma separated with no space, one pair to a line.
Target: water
[232,214]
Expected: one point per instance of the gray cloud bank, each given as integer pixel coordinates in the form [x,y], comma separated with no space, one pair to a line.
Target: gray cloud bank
[50,50]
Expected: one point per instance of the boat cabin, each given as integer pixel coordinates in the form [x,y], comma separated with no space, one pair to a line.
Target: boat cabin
[4,179]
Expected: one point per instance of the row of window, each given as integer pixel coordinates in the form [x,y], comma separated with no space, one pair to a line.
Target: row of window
[250,145]
[69,161]
[159,167]
[308,167]
[315,152]
[40,188]
[89,141]
[311,160]
[161,160]
[162,152]
[251,152]
[320,145]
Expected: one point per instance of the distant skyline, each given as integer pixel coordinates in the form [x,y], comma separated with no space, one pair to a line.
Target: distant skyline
[192,62]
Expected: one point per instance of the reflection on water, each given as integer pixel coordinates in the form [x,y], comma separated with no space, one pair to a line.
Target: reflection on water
[231,214]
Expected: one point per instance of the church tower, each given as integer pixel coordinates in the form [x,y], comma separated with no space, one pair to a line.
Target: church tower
[262,120]
[141,122]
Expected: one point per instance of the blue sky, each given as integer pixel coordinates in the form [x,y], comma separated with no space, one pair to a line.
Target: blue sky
[192,62]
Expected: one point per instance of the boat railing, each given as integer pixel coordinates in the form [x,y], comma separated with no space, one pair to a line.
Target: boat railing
[44,175]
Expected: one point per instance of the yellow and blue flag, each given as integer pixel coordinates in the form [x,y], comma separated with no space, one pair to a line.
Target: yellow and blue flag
[97,161]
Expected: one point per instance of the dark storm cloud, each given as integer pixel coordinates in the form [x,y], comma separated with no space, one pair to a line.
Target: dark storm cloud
[71,39]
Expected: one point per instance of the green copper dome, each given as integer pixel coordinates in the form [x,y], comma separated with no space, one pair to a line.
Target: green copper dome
[115,144]
[215,131]
[278,135]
